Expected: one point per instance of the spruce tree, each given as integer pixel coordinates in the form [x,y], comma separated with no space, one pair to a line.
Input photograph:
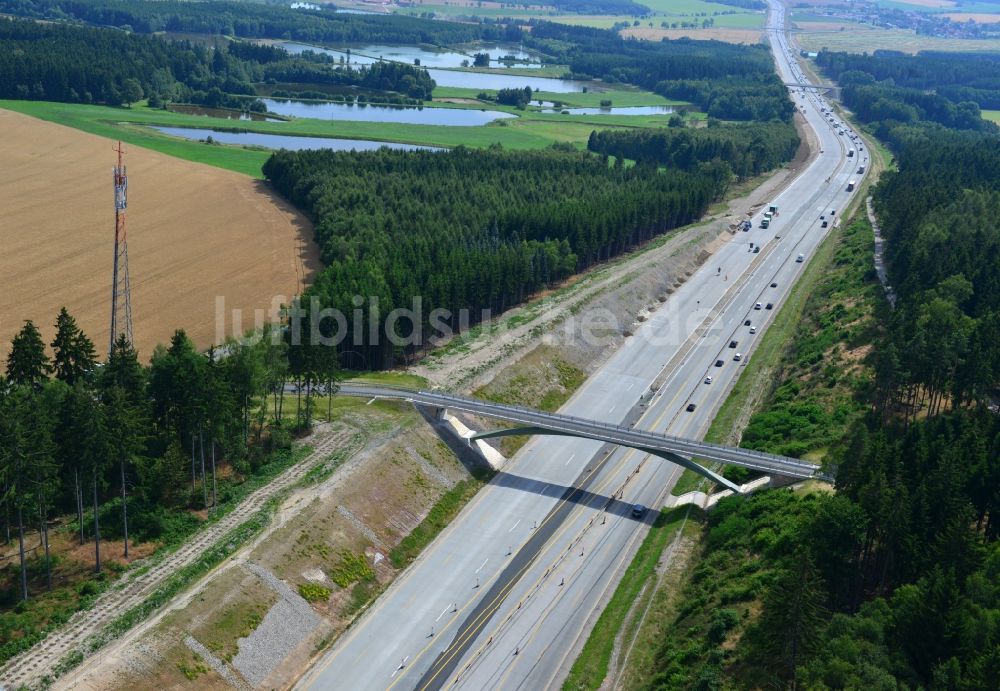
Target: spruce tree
[28,363]
[73,354]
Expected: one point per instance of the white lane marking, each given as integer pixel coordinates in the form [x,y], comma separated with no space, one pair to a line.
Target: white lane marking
[612,409]
[515,525]
[630,386]
[569,459]
[482,565]
[443,612]
[401,666]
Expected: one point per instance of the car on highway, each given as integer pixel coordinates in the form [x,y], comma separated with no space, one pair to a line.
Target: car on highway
[756,250]
[733,344]
[833,212]
[753,329]
[719,363]
[691,407]
[757,306]
[737,357]
[746,322]
[708,380]
[770,306]
[824,224]
[773,284]
[638,511]
[801,258]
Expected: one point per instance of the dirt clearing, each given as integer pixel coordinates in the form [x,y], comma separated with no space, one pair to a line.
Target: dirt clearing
[195,232]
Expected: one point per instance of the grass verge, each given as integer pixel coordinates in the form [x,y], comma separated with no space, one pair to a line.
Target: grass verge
[591,667]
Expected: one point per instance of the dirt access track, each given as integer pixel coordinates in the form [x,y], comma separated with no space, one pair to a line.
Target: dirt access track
[194,232]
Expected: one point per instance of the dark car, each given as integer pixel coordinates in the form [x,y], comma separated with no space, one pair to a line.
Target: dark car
[718,363]
[746,323]
[774,285]
[638,511]
[824,224]
[770,306]
[756,250]
[833,212]
[691,407]
[733,344]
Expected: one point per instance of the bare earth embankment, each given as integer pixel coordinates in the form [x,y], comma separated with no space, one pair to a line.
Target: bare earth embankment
[194,232]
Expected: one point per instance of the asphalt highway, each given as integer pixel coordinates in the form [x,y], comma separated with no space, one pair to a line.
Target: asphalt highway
[507,594]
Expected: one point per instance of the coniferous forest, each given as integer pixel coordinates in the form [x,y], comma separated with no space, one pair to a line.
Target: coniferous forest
[474,230]
[86,65]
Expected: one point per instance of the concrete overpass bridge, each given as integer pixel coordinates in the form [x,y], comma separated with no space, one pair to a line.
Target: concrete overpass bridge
[529,421]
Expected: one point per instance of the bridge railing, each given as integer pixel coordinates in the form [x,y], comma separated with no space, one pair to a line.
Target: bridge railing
[628,435]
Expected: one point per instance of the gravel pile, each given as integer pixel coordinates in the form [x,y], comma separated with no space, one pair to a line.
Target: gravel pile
[215,663]
[284,626]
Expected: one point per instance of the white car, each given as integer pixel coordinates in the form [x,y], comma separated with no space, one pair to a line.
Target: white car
[753,329]
[708,380]
[757,306]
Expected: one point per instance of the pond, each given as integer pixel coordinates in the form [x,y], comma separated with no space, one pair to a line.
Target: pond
[282,141]
[494,82]
[625,110]
[428,57]
[224,113]
[434,61]
[459,117]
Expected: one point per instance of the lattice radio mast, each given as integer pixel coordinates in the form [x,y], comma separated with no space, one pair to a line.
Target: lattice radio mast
[121,293]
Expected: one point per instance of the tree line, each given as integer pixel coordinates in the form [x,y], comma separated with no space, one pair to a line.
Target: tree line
[748,148]
[139,447]
[258,20]
[472,229]
[958,77]
[86,65]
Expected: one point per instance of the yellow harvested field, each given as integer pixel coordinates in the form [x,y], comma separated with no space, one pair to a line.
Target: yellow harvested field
[745,36]
[194,232]
[978,17]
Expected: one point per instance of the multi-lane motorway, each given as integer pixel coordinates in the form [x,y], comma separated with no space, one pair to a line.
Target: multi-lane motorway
[507,594]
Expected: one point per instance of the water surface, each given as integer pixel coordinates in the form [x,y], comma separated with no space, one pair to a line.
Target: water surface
[284,141]
[459,117]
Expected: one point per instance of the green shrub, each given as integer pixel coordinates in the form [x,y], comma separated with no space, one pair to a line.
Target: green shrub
[313,592]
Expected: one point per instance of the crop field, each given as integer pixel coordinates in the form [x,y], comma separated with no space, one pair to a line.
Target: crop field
[195,232]
[863,39]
